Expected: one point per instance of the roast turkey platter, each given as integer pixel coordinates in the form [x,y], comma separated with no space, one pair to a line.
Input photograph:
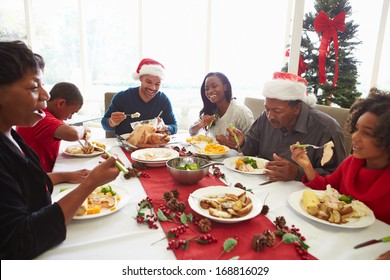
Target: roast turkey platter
[147,136]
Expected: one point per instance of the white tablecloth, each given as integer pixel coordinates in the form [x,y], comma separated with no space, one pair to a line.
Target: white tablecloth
[118,236]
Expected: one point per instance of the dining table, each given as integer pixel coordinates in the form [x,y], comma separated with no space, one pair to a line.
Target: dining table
[118,235]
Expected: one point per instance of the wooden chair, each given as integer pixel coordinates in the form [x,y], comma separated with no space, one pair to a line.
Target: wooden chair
[107,101]
[256,105]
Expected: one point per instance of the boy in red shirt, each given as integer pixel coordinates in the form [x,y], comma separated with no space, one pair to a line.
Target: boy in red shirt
[45,137]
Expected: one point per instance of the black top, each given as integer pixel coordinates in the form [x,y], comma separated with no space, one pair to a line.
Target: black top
[29,223]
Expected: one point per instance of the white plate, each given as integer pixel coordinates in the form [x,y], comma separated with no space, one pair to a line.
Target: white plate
[221,190]
[125,136]
[161,156]
[94,154]
[202,145]
[295,201]
[120,191]
[230,163]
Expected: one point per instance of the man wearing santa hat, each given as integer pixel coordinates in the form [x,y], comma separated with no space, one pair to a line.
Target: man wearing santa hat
[290,116]
[141,103]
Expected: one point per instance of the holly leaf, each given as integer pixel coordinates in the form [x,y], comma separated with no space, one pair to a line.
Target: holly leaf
[229,244]
[235,258]
[289,238]
[190,217]
[183,219]
[201,241]
[278,232]
[185,245]
[161,216]
[170,234]
[143,204]
[304,245]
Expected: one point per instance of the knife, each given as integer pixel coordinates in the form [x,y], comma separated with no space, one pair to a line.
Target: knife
[266,183]
[373,241]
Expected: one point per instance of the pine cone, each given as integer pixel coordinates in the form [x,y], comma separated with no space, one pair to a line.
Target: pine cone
[175,193]
[265,210]
[280,222]
[139,165]
[171,204]
[132,173]
[204,225]
[240,186]
[168,196]
[180,207]
[171,194]
[259,242]
[176,205]
[270,237]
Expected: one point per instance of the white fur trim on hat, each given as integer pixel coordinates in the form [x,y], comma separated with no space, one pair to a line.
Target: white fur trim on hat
[284,89]
[150,69]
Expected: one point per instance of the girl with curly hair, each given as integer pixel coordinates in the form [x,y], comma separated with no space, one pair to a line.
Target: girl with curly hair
[365,175]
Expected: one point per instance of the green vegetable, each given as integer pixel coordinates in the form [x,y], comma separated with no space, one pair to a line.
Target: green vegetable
[346,198]
[251,161]
[189,166]
[234,134]
[106,189]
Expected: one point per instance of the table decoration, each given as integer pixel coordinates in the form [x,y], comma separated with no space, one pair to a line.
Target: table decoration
[160,182]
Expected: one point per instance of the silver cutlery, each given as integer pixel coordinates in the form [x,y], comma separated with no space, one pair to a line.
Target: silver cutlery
[310,145]
[266,183]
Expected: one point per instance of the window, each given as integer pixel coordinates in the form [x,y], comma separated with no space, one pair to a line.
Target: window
[97,44]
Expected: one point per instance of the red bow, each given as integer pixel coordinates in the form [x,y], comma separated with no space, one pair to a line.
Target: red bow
[328,27]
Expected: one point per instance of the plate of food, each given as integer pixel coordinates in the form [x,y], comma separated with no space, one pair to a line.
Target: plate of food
[199,139]
[154,157]
[145,136]
[104,200]
[86,151]
[246,164]
[212,150]
[225,204]
[326,207]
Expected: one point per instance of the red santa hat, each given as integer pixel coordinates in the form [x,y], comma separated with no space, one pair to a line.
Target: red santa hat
[149,66]
[288,86]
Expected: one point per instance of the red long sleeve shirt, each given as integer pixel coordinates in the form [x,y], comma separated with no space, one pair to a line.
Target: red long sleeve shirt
[370,186]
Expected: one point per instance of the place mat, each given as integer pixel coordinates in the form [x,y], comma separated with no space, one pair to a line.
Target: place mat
[160,181]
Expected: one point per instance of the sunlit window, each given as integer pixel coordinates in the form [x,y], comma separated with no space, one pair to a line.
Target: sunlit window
[97,44]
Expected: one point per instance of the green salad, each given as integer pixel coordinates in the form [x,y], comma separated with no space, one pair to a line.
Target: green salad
[189,166]
[251,161]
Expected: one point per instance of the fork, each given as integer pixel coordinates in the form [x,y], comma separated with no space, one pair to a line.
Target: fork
[310,145]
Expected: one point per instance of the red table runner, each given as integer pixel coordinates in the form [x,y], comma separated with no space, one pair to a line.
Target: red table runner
[160,181]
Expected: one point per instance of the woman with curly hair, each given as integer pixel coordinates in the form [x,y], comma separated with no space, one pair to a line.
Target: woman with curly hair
[365,175]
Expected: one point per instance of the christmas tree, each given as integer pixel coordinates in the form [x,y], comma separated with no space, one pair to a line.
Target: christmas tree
[343,92]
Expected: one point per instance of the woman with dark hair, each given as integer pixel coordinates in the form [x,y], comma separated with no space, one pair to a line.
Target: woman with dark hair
[30,223]
[220,108]
[365,175]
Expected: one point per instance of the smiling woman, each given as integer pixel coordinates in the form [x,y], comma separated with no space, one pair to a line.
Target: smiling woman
[30,223]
